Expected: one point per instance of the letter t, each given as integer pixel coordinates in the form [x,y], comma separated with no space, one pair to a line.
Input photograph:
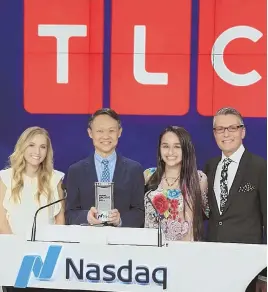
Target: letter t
[62,33]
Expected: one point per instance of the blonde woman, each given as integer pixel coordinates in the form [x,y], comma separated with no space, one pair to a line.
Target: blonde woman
[28,183]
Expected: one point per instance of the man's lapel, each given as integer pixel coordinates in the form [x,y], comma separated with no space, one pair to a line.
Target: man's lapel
[120,168]
[212,179]
[90,173]
[242,168]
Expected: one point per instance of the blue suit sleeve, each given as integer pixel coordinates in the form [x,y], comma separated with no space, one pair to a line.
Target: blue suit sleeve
[134,217]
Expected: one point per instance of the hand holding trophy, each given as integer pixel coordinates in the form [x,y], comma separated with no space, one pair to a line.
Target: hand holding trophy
[114,218]
[91,217]
[104,210]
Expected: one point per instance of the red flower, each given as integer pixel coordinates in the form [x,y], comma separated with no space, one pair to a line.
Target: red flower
[161,203]
[174,204]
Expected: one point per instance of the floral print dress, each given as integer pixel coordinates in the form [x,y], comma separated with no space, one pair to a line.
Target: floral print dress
[177,223]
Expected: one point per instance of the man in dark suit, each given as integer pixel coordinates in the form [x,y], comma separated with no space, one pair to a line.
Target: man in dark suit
[105,165]
[237,186]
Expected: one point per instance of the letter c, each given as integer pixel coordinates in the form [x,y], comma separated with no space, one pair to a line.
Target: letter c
[217,55]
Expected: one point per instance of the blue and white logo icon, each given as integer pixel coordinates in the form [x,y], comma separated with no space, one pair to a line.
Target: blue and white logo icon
[43,271]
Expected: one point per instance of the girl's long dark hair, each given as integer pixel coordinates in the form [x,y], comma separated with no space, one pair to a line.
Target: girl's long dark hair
[189,180]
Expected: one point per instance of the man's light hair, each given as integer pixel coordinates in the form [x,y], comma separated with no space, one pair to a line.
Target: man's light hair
[228,111]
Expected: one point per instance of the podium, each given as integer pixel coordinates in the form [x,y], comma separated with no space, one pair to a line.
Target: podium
[125,259]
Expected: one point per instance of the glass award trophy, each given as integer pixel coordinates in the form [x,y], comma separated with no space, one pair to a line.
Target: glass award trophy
[104,199]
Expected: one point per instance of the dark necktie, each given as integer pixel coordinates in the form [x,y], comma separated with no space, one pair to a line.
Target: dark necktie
[224,183]
[105,176]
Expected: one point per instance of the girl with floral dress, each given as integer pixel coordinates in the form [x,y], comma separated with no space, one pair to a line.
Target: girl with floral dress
[176,189]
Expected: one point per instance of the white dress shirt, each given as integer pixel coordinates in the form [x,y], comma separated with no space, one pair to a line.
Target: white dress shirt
[232,169]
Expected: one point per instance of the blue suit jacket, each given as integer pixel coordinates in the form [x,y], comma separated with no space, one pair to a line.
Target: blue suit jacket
[128,191]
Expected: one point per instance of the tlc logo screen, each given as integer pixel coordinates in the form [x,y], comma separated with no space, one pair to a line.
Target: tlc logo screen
[148,48]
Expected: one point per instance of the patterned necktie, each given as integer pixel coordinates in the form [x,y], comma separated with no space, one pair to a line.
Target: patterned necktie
[224,183]
[105,176]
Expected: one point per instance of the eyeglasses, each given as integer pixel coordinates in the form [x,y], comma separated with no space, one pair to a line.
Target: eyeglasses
[232,128]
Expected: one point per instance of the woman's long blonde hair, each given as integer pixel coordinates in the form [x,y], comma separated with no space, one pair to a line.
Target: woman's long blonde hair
[17,163]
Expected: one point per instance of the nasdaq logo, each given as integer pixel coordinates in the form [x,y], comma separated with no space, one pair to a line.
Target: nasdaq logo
[110,273]
[43,271]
